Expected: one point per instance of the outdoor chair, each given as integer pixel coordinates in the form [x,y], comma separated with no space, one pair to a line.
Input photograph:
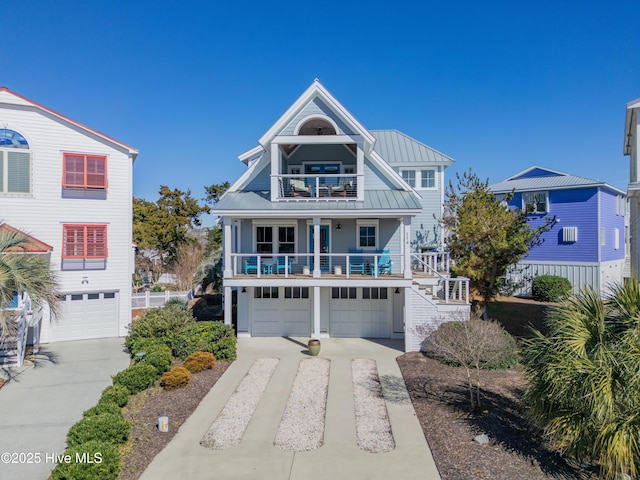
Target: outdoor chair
[250,264]
[384,263]
[299,189]
[356,263]
[280,265]
[343,188]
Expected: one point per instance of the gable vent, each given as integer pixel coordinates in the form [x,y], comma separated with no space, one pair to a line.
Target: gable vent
[569,234]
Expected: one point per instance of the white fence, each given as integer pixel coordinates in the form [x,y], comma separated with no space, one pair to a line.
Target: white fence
[157,299]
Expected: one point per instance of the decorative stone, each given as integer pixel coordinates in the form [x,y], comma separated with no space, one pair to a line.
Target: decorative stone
[482,439]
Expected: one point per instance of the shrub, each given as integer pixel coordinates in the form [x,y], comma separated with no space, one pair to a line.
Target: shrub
[176,302]
[212,337]
[118,394]
[175,378]
[549,288]
[474,344]
[103,407]
[105,462]
[198,361]
[142,344]
[160,324]
[583,379]
[106,427]
[137,377]
[158,358]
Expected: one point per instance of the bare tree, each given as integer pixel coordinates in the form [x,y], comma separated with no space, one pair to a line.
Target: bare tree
[188,259]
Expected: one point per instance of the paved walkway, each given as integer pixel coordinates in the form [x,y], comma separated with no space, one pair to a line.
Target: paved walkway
[339,458]
[41,402]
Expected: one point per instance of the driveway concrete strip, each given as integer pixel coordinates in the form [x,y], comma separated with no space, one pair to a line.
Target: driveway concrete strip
[229,427]
[41,402]
[339,457]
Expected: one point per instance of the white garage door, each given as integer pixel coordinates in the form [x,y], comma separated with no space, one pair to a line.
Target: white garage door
[280,311]
[86,315]
[360,312]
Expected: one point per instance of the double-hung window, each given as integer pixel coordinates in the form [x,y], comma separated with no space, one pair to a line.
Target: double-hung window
[84,247]
[409,176]
[264,239]
[15,163]
[84,171]
[535,202]
[275,239]
[428,179]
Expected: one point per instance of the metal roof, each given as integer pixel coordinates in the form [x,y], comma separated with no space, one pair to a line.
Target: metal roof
[396,147]
[561,181]
[375,200]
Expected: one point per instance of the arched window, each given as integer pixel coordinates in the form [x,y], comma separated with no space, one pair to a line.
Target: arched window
[15,163]
[317,126]
[12,139]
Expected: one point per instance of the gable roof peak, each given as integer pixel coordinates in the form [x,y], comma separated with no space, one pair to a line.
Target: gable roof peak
[538,167]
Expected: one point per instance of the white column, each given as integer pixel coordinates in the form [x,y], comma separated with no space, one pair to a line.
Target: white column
[275,171]
[316,313]
[360,171]
[406,222]
[226,247]
[316,247]
[228,299]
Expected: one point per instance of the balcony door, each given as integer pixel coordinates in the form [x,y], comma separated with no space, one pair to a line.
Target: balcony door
[325,263]
[318,169]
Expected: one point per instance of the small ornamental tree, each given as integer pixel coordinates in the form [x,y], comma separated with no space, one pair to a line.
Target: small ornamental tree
[484,236]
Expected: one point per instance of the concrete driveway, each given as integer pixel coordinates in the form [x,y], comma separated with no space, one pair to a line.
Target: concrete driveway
[41,402]
[338,458]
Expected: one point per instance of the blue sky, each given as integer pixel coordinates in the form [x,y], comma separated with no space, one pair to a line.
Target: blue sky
[498,86]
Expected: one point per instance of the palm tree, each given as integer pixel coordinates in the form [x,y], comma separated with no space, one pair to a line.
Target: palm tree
[22,272]
[584,378]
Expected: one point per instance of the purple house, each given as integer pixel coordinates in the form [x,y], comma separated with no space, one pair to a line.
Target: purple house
[586,242]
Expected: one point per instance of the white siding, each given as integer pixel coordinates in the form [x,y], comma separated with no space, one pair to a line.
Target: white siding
[43,213]
[579,274]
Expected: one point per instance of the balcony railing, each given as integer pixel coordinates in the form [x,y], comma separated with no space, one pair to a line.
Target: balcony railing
[428,262]
[448,288]
[346,264]
[325,186]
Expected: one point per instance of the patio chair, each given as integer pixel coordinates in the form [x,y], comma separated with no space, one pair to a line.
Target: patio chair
[298,188]
[280,265]
[250,264]
[344,188]
[356,263]
[384,263]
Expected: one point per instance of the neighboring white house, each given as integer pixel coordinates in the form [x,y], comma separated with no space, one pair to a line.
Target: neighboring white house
[70,188]
[319,238]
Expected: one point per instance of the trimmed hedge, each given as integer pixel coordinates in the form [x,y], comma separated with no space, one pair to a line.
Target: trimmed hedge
[177,377]
[212,337]
[550,288]
[92,460]
[103,407]
[198,361]
[160,324]
[137,377]
[118,394]
[160,359]
[104,427]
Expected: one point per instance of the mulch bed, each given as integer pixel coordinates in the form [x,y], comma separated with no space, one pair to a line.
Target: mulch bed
[144,409]
[441,400]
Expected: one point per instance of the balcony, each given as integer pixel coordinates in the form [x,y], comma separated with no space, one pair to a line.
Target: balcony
[327,187]
[301,265]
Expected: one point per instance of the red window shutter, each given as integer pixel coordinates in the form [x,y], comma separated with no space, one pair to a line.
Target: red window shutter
[85,171]
[96,172]
[73,170]
[85,241]
[97,241]
[74,236]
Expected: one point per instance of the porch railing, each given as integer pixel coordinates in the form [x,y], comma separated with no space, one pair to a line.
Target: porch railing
[431,262]
[373,264]
[449,288]
[325,186]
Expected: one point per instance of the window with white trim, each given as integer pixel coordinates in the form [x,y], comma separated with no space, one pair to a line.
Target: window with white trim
[409,176]
[616,238]
[603,236]
[264,239]
[535,202]
[367,234]
[428,178]
[275,239]
[15,163]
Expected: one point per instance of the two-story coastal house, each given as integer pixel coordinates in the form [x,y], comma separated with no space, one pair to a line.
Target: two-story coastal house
[319,232]
[69,187]
[585,243]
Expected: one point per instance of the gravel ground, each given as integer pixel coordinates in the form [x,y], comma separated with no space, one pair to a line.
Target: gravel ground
[302,425]
[227,430]
[373,429]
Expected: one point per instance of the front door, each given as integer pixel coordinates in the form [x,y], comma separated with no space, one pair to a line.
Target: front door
[324,247]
